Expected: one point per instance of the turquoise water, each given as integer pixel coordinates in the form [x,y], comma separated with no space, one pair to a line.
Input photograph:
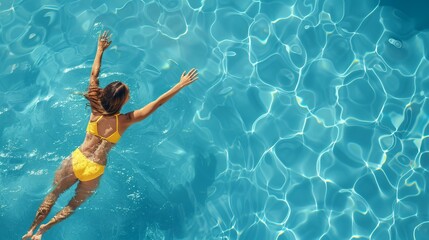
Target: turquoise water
[309,120]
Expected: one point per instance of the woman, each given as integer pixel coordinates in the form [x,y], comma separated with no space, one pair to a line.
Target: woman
[86,164]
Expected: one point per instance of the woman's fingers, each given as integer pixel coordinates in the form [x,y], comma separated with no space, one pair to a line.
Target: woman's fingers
[189,77]
[105,37]
[190,72]
[193,73]
[194,76]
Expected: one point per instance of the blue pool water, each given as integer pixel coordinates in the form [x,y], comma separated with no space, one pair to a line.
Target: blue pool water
[309,120]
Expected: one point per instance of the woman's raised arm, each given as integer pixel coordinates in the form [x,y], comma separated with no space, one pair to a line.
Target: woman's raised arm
[103,44]
[140,114]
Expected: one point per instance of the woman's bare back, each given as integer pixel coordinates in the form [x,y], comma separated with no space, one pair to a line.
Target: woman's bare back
[96,148]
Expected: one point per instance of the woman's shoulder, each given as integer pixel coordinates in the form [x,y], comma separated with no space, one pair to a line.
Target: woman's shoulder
[126,115]
[125,118]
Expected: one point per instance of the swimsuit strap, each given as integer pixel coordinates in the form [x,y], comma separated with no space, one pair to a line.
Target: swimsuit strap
[117,123]
[98,119]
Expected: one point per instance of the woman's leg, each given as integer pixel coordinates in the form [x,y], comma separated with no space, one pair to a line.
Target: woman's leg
[63,180]
[83,191]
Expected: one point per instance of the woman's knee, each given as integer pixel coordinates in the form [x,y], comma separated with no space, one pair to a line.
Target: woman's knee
[81,195]
[75,202]
[47,204]
[64,213]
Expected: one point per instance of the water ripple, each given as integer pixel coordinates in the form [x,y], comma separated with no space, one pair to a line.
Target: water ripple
[309,120]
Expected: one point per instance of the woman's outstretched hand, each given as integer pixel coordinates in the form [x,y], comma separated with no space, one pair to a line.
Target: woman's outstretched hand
[188,78]
[104,40]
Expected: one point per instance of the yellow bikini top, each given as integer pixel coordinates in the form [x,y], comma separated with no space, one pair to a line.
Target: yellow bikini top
[113,138]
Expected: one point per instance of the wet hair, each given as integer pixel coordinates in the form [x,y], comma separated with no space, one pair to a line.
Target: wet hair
[108,100]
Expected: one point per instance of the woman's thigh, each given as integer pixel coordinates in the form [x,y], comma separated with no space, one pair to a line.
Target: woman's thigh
[83,191]
[64,176]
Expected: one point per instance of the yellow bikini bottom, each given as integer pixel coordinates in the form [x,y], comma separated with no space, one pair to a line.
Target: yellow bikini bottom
[85,169]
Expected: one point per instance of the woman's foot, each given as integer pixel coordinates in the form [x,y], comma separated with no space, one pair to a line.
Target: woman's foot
[38,235]
[28,235]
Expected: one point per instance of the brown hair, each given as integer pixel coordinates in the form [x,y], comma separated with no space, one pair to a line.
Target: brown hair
[108,100]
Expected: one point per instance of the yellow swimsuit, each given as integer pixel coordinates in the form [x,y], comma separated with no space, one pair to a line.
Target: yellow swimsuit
[84,168]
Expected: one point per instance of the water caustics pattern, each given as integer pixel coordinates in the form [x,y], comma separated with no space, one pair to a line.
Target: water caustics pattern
[309,120]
